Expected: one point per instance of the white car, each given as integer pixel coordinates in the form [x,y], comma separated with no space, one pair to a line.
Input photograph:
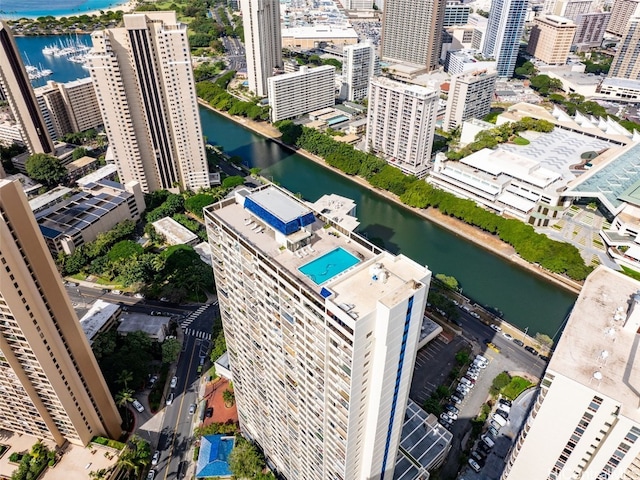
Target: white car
[174,382]
[137,405]
[474,465]
[507,336]
[116,292]
[495,327]
[466,382]
[169,399]
[156,457]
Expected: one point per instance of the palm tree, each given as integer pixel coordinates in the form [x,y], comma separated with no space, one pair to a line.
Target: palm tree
[124,377]
[136,457]
[123,398]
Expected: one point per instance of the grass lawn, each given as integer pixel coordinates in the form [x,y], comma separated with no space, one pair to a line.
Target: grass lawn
[521,141]
[516,386]
[631,273]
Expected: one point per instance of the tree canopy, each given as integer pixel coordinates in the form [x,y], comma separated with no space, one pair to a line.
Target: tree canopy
[45,168]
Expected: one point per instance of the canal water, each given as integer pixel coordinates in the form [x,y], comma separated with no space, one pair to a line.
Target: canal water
[524,299]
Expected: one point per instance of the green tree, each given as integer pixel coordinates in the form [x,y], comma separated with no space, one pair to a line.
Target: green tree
[170,350]
[543,339]
[124,378]
[124,249]
[45,168]
[448,281]
[228,397]
[136,457]
[232,182]
[79,152]
[245,461]
[196,203]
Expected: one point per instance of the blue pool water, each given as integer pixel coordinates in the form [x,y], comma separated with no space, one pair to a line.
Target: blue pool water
[329,265]
[10,9]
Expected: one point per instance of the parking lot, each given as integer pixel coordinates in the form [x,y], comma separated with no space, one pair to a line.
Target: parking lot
[433,364]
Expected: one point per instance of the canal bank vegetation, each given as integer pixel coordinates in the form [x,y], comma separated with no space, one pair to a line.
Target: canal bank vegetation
[554,256]
[216,94]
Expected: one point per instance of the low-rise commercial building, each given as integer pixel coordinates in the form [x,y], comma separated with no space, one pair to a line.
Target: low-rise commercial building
[298,93]
[101,317]
[174,233]
[463,61]
[307,38]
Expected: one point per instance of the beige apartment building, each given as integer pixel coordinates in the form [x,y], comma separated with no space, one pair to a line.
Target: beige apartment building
[412,32]
[551,38]
[585,422]
[16,88]
[50,384]
[626,63]
[144,83]
[401,124]
[621,12]
[470,96]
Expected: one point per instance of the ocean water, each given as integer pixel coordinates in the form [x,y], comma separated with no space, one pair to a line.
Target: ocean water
[63,70]
[11,9]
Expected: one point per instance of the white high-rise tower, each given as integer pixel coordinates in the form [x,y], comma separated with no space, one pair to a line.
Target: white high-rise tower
[322,330]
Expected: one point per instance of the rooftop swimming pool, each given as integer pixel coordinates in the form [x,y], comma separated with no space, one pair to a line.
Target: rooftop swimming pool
[329,265]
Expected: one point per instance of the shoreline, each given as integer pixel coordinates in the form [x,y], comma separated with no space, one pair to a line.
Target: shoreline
[126,7]
[459,228]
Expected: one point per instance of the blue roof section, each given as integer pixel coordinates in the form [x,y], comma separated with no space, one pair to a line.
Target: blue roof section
[278,210]
[616,180]
[212,459]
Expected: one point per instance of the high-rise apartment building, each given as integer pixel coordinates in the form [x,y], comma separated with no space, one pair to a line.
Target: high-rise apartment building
[567,8]
[401,123]
[504,32]
[358,67]
[456,13]
[145,88]
[626,63]
[262,40]
[621,13]
[551,38]
[304,91]
[322,331]
[69,107]
[470,96]
[590,30]
[585,421]
[17,90]
[412,32]
[50,383]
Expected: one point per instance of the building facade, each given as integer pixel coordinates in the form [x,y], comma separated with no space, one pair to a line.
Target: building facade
[50,384]
[456,13]
[504,32]
[585,421]
[358,67]
[263,42]
[551,38]
[470,96]
[17,90]
[322,331]
[570,8]
[412,32]
[401,124]
[590,30]
[304,91]
[626,63]
[144,83]
[621,13]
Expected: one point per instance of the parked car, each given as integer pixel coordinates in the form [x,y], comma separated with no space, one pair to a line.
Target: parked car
[495,425]
[455,399]
[152,380]
[531,350]
[208,413]
[446,425]
[477,456]
[495,327]
[507,336]
[137,405]
[499,419]
[451,408]
[174,382]
[192,409]
[151,475]
[467,382]
[471,379]
[155,458]
[544,357]
[474,465]
[463,389]
[505,401]
[474,314]
[479,364]
[138,295]
[116,292]
[170,399]
[445,418]
[493,431]
[520,343]
[503,413]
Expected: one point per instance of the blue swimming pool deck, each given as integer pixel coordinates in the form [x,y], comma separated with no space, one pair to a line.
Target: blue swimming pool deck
[333,263]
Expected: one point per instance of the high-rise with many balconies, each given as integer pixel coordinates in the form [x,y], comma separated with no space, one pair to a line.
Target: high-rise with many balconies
[146,91]
[322,329]
[626,63]
[412,32]
[50,384]
[263,42]
[16,89]
[360,64]
[401,123]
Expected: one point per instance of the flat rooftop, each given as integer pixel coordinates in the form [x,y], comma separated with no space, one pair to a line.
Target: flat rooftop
[96,318]
[353,286]
[596,349]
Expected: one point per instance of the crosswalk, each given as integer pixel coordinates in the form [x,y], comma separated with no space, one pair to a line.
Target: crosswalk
[187,321]
[197,333]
